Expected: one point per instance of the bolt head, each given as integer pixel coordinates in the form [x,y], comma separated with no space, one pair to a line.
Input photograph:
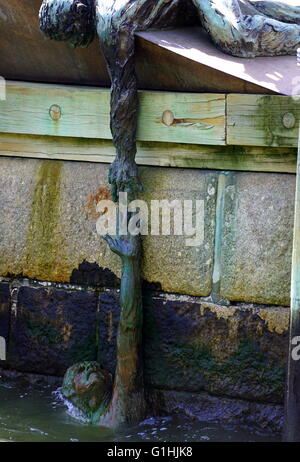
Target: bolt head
[55,112]
[288,120]
[168,117]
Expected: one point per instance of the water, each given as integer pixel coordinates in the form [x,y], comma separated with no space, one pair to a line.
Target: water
[38,414]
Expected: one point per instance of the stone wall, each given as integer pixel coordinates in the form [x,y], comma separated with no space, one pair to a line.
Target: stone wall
[48,233]
[192,348]
[216,316]
[190,344]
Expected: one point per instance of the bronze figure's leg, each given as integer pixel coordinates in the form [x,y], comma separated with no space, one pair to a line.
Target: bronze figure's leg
[278,10]
[85,384]
[116,33]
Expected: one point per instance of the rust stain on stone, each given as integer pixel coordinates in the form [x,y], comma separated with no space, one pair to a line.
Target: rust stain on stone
[66,332]
[92,200]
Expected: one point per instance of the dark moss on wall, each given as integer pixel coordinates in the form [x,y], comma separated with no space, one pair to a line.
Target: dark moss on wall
[52,330]
[189,345]
[248,373]
[108,321]
[189,349]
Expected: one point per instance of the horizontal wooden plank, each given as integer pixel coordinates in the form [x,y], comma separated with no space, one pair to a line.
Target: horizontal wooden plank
[268,120]
[260,159]
[190,118]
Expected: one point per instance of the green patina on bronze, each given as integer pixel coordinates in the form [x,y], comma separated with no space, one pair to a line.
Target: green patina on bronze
[241,28]
[89,388]
[128,400]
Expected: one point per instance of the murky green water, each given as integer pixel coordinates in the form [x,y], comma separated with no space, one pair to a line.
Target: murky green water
[39,414]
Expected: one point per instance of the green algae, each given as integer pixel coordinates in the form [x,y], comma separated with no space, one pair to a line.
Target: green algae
[271,110]
[248,365]
[43,240]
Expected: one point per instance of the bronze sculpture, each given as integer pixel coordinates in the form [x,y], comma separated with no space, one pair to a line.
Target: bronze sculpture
[89,388]
[245,28]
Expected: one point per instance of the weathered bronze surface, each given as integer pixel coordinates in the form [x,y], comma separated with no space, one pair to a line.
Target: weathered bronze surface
[241,28]
[89,388]
[27,55]
[128,400]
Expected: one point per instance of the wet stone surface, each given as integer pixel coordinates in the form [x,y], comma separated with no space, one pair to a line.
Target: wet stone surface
[52,330]
[195,346]
[108,321]
[5,306]
[203,407]
[92,275]
[190,345]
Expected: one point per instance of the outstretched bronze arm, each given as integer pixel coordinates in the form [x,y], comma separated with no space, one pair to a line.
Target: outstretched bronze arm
[128,402]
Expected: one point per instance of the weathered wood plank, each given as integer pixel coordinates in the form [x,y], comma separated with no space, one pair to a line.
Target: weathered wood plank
[192,118]
[258,159]
[256,120]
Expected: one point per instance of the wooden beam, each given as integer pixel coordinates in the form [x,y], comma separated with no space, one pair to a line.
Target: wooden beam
[169,117]
[185,118]
[154,154]
[256,120]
